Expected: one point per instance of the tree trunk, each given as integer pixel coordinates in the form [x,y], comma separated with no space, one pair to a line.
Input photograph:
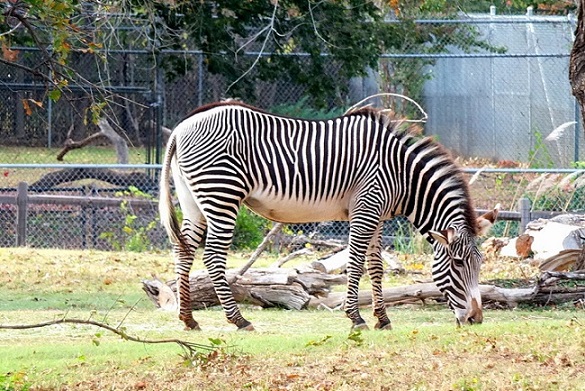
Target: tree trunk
[577,61]
[577,74]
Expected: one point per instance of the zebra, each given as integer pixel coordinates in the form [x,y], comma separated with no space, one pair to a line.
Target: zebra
[360,167]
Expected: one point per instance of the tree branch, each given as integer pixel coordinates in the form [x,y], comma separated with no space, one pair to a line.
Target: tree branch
[188,347]
[270,29]
[70,145]
[106,130]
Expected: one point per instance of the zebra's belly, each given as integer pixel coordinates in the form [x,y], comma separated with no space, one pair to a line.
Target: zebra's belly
[297,211]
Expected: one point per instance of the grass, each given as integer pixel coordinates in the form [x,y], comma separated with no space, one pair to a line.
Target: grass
[87,155]
[523,349]
[28,155]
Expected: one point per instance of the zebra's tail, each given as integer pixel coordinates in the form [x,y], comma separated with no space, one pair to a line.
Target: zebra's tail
[166,208]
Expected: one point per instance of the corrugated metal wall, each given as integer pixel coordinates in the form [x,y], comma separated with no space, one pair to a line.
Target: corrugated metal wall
[501,106]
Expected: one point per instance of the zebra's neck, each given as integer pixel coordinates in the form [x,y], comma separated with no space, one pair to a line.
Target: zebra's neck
[435,194]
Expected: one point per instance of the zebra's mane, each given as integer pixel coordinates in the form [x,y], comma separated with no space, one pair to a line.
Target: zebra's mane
[228,102]
[411,134]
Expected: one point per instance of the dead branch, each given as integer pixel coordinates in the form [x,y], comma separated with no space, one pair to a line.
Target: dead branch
[549,278]
[275,230]
[70,145]
[270,30]
[281,261]
[303,240]
[116,178]
[107,131]
[189,347]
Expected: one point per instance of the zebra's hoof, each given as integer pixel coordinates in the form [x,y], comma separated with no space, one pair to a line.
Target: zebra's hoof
[194,327]
[191,324]
[247,327]
[360,327]
[383,326]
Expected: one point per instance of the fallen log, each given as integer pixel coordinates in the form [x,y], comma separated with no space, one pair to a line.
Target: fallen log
[300,289]
[545,240]
[284,288]
[117,178]
[420,293]
[336,262]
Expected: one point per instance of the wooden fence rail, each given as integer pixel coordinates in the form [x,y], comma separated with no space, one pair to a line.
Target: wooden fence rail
[23,199]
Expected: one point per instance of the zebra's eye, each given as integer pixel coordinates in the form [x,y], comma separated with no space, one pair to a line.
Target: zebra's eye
[458,261]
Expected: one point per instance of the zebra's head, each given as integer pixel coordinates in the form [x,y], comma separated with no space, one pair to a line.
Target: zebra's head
[456,267]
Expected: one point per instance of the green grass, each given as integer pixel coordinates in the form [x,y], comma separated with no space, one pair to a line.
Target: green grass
[522,349]
[86,155]
[512,350]
[26,155]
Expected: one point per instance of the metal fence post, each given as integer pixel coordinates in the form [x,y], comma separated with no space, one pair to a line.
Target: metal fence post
[21,213]
[525,214]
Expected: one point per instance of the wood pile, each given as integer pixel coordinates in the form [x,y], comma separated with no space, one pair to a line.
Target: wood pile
[311,286]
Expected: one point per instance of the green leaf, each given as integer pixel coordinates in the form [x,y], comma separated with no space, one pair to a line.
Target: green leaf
[216,341]
[55,95]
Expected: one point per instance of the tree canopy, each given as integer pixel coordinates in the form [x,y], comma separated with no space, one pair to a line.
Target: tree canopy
[243,41]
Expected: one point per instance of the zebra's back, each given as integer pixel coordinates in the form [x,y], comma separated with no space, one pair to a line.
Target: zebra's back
[293,170]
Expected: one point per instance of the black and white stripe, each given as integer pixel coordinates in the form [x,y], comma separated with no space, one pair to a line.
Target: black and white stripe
[357,167]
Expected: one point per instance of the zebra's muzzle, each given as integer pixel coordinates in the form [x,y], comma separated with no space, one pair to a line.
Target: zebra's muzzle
[473,316]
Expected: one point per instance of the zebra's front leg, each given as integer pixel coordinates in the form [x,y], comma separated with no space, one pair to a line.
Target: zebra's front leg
[355,270]
[363,229]
[359,238]
[376,272]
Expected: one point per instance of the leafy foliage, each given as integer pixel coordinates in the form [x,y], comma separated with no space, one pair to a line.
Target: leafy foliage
[302,109]
[249,231]
[133,235]
[348,35]
[14,381]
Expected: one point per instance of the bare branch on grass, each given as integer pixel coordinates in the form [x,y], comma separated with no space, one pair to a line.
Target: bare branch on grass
[190,348]
[295,254]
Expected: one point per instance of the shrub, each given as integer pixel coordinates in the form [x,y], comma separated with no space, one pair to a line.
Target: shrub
[301,109]
[250,230]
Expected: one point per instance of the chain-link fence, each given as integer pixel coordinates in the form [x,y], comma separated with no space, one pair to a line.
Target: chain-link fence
[493,105]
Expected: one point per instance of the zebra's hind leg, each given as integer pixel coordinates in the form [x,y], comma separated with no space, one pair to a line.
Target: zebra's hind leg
[376,272]
[192,233]
[214,258]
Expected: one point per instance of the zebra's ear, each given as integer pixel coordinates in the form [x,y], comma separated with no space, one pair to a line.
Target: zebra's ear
[444,237]
[485,221]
